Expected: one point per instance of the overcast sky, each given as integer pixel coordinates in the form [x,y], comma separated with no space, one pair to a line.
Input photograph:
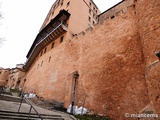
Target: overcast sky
[21,22]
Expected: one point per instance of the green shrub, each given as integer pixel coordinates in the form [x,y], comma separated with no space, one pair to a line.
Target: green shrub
[15,90]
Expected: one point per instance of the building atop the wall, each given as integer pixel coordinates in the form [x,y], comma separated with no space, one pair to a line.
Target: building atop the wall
[66,19]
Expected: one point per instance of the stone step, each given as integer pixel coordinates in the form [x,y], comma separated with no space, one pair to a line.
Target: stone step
[15,118]
[11,98]
[22,115]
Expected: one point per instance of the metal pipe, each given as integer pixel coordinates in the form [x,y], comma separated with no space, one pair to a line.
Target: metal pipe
[29,112]
[31,106]
[20,103]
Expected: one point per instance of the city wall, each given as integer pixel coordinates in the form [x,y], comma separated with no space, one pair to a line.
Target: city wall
[111,60]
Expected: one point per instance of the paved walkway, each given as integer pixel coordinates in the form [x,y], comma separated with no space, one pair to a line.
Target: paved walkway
[13,106]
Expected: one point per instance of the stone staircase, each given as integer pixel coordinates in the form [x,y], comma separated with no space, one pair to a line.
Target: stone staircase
[9,105]
[9,115]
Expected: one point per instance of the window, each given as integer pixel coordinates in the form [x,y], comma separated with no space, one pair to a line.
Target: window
[61,2]
[61,39]
[52,45]
[89,19]
[112,17]
[68,3]
[49,59]
[89,11]
[94,8]
[93,22]
[41,53]
[90,4]
[94,15]
[58,2]
[45,50]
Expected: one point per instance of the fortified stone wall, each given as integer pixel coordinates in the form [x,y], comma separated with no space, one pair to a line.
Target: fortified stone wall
[115,10]
[147,12]
[110,66]
[111,60]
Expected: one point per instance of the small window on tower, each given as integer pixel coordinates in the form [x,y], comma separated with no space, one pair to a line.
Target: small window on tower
[90,4]
[89,11]
[45,50]
[41,53]
[93,22]
[89,19]
[61,39]
[94,8]
[94,15]
[61,2]
[68,3]
[52,45]
[49,59]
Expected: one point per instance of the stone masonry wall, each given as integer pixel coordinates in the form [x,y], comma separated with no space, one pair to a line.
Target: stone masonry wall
[149,28]
[112,67]
[110,60]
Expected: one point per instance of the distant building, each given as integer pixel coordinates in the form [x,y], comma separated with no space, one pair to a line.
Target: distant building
[4,76]
[16,78]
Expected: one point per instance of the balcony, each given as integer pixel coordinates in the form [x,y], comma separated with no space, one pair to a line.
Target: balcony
[52,31]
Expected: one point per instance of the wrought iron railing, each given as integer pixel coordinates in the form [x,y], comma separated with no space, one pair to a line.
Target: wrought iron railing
[31,106]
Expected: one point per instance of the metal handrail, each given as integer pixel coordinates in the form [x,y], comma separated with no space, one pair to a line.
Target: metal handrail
[2,92]
[31,107]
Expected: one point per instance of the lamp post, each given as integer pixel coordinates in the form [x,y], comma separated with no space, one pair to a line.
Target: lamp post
[76,76]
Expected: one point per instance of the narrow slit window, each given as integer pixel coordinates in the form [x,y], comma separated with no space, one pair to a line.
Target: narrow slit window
[45,50]
[49,59]
[112,17]
[41,53]
[52,45]
[89,19]
[68,3]
[90,11]
[61,39]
